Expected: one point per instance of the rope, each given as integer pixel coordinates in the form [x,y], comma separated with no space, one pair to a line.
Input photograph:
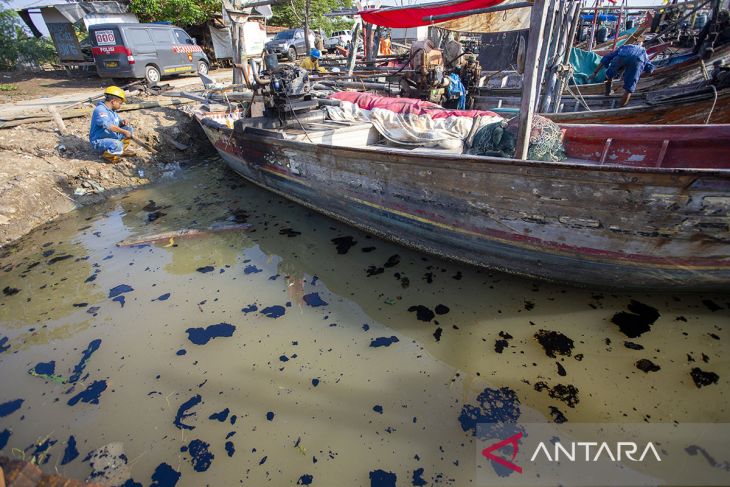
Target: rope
[709,115]
[581,99]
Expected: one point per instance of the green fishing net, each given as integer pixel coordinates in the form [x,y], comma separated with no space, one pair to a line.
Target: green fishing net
[498,139]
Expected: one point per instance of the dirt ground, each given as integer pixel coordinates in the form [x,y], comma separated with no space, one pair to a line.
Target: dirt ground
[44,174]
[23,85]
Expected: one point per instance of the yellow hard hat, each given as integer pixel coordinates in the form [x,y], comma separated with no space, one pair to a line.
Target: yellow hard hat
[116,91]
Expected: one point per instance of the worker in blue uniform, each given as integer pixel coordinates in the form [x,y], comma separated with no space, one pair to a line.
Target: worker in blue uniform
[629,60]
[109,134]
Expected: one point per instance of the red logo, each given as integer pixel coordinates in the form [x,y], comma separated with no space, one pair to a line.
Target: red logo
[512,440]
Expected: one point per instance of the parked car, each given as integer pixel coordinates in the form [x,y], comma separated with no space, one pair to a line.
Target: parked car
[289,43]
[148,51]
[338,38]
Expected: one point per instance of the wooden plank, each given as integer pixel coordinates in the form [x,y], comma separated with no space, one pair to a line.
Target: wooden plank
[527,105]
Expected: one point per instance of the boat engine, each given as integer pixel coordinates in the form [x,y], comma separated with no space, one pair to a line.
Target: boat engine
[289,92]
[426,80]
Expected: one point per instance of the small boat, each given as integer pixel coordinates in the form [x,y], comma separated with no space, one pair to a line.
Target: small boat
[704,105]
[687,69]
[633,206]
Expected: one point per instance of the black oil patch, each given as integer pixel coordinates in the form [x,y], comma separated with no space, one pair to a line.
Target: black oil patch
[633,346]
[638,321]
[646,365]
[554,343]
[422,313]
[344,244]
[703,378]
[557,415]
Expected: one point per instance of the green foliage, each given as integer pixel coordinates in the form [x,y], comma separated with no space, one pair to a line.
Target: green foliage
[17,47]
[7,87]
[179,12]
[291,14]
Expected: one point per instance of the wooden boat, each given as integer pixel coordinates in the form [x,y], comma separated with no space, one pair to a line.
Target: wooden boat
[701,106]
[633,206]
[688,71]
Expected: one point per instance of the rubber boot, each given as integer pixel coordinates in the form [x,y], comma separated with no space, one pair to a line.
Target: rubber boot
[110,157]
[127,152]
[608,87]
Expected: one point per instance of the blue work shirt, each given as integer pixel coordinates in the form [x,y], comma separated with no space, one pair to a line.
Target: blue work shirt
[102,118]
[630,59]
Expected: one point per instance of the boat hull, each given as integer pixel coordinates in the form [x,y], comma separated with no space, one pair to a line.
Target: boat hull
[577,224]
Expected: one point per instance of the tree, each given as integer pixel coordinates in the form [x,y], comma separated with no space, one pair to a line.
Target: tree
[18,48]
[178,12]
[291,14]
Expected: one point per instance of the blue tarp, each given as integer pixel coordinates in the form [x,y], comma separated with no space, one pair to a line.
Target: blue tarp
[601,17]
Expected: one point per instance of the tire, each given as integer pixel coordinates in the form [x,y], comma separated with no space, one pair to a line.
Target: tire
[292,54]
[202,67]
[152,75]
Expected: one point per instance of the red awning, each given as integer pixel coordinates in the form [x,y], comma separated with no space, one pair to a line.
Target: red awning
[413,16]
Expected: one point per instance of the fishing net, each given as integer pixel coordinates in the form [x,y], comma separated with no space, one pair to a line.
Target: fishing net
[499,139]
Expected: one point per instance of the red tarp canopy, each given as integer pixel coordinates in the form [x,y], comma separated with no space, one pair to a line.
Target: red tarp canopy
[402,17]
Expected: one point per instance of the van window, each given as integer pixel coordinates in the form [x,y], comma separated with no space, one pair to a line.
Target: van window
[140,38]
[182,37]
[161,37]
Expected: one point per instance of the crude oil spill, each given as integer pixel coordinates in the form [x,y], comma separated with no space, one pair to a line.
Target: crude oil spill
[201,336]
[89,395]
[422,313]
[299,364]
[554,343]
[10,407]
[4,437]
[70,453]
[381,478]
[200,457]
[383,341]
[344,244]
[493,406]
[182,412]
[120,289]
[638,321]
[646,365]
[165,476]
[703,378]
[314,300]
[273,311]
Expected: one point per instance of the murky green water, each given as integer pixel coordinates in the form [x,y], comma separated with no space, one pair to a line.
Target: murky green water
[311,391]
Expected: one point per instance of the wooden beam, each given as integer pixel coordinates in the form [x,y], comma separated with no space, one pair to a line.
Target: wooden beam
[477,11]
[529,83]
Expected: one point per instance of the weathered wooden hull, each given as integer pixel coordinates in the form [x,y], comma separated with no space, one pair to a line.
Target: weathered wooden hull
[686,72]
[680,105]
[588,225]
[692,110]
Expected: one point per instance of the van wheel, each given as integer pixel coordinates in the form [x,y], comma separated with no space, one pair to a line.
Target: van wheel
[292,55]
[202,67]
[152,75]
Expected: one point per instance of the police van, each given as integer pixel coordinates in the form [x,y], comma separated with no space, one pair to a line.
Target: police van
[148,51]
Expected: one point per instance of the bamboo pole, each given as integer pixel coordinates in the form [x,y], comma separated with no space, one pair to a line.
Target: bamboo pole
[527,104]
[545,53]
[566,60]
[559,55]
[352,55]
[593,27]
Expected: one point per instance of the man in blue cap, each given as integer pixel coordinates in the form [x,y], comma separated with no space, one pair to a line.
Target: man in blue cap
[311,62]
[630,59]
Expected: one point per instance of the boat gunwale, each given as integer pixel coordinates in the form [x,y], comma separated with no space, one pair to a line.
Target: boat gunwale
[429,158]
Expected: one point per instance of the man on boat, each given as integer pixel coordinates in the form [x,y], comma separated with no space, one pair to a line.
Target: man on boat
[109,134]
[311,62]
[632,61]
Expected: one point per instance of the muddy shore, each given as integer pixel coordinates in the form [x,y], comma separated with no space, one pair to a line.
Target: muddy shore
[44,174]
